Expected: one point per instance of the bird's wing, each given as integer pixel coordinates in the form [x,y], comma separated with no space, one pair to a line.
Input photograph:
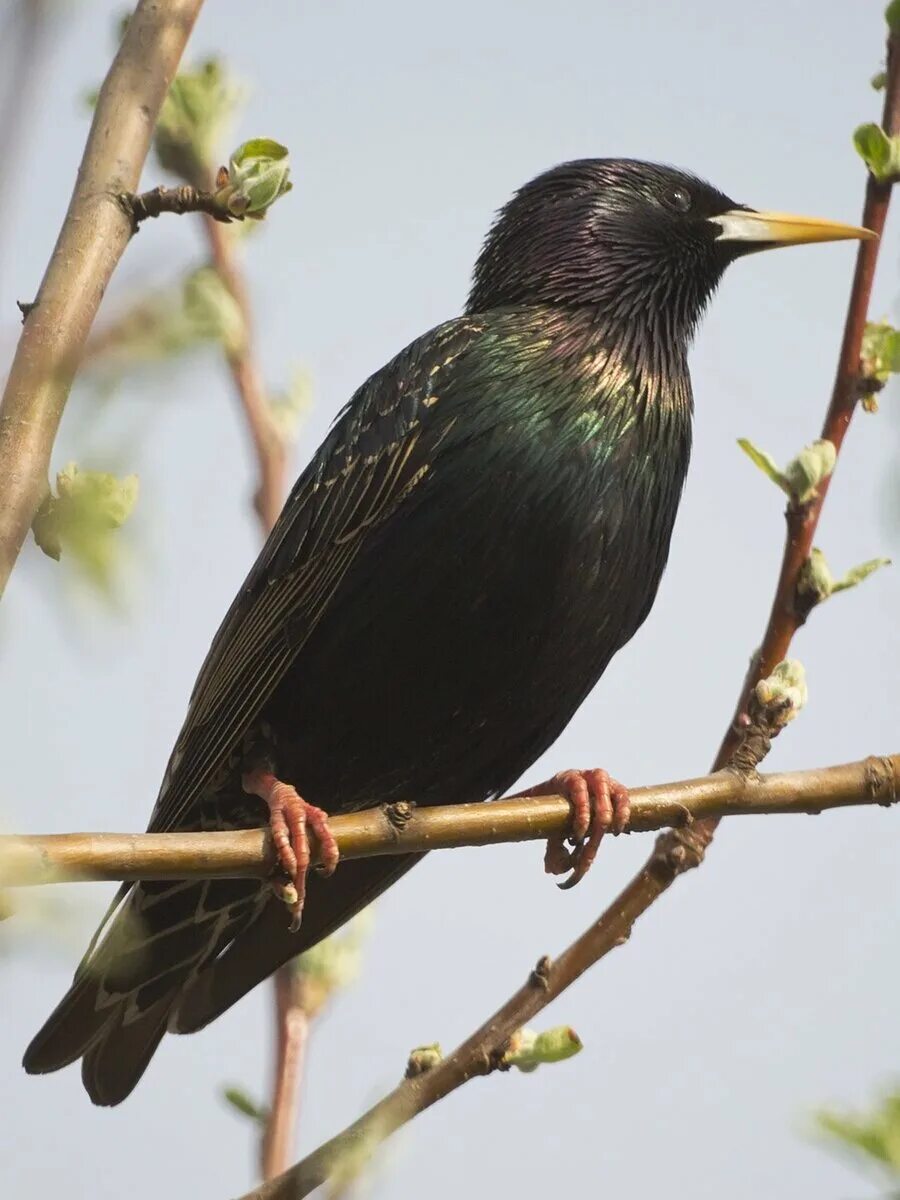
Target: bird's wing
[379,449]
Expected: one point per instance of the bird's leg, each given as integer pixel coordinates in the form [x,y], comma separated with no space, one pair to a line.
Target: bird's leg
[600,804]
[289,818]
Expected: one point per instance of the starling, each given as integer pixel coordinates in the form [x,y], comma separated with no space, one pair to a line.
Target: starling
[484,526]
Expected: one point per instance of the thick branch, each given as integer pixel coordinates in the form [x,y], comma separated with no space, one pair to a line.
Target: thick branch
[93,237]
[403,829]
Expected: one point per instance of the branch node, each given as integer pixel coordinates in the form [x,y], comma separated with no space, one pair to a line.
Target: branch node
[680,850]
[881,783]
[399,814]
[422,1059]
[26,308]
[540,975]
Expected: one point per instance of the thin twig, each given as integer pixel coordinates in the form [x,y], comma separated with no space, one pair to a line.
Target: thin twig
[403,829]
[291,1021]
[93,238]
[291,1035]
[786,615]
[180,200]
[269,449]
[678,850]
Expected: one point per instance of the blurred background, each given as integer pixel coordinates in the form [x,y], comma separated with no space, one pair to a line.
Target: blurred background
[763,986]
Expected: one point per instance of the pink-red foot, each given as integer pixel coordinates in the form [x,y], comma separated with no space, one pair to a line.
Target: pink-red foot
[289,819]
[600,805]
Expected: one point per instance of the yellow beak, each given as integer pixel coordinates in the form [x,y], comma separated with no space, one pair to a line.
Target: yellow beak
[783,229]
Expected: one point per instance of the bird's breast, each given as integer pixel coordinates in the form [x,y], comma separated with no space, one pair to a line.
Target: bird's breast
[460,644]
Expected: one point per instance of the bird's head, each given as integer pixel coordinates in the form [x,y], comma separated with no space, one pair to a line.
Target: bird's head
[640,243]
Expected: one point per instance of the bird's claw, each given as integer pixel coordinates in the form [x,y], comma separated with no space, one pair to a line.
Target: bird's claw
[600,805]
[289,819]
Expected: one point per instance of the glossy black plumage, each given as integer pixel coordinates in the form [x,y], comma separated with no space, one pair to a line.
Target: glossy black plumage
[485,525]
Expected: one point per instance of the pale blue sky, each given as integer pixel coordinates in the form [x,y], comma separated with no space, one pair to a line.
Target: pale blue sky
[764,984]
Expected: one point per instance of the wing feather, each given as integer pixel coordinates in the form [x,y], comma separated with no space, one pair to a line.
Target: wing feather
[378,451]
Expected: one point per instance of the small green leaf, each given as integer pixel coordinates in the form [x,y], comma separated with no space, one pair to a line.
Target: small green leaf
[892,16]
[879,80]
[812,465]
[765,462]
[880,153]
[88,507]
[876,1134]
[241,1101]
[880,351]
[257,175]
[857,574]
[528,1050]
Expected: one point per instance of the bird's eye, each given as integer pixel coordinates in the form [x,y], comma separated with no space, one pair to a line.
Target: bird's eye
[679,199]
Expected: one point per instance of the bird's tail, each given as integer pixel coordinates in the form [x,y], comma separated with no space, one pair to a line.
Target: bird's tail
[120,1001]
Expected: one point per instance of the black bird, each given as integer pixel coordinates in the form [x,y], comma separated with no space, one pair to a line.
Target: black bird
[485,525]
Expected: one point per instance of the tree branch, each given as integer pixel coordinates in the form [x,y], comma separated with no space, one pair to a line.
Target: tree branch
[723,794]
[788,614]
[404,829]
[292,1021]
[180,200]
[678,850]
[93,238]
[269,449]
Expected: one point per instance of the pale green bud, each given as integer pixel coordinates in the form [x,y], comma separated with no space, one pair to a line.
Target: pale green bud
[804,473]
[880,153]
[528,1050]
[422,1059]
[257,174]
[784,690]
[879,356]
[815,582]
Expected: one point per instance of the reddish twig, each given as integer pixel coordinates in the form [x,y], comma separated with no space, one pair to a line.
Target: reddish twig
[291,1021]
[271,458]
[291,1033]
[786,616]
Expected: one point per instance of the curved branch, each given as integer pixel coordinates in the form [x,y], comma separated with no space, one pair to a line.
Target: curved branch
[93,237]
[403,829]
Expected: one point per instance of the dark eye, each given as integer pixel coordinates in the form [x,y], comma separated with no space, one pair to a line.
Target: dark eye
[679,199]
